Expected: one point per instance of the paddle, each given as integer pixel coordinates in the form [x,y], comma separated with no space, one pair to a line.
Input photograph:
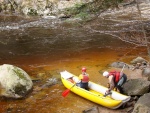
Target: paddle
[107,94]
[66,92]
[123,68]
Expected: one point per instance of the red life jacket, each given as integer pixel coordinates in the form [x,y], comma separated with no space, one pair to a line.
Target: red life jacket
[116,75]
[85,78]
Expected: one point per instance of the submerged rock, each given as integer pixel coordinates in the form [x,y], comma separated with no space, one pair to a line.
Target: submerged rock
[92,110]
[15,82]
[138,60]
[119,65]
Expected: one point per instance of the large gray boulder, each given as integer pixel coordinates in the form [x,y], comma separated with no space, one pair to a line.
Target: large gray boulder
[136,87]
[14,82]
[143,104]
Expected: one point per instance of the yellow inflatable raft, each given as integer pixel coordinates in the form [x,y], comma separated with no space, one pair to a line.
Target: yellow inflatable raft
[95,93]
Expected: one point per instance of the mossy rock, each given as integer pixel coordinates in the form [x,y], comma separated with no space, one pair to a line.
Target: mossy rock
[15,82]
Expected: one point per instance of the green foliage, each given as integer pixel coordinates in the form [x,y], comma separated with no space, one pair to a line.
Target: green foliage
[84,10]
[32,12]
[82,15]
[75,10]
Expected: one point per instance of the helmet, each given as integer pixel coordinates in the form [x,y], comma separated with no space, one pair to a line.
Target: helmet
[83,69]
[105,74]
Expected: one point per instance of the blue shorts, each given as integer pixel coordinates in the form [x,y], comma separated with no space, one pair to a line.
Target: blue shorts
[83,85]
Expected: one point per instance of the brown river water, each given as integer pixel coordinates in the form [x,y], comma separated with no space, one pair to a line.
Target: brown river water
[45,47]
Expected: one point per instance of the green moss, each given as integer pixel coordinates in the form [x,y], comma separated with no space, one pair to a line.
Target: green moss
[82,15]
[32,12]
[19,73]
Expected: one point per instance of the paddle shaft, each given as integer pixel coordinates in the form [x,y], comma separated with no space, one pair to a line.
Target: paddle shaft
[66,92]
[73,85]
[123,68]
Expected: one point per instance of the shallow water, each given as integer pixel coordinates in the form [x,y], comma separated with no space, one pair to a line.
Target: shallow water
[44,48]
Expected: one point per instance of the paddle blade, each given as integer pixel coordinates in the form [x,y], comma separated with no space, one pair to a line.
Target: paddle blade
[65,93]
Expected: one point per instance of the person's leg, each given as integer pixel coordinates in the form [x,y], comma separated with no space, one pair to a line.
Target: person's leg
[121,82]
[119,89]
[78,84]
[84,85]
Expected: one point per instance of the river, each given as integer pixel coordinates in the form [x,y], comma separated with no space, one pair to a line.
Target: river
[45,47]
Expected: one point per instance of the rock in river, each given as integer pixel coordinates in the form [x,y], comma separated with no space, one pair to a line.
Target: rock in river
[15,82]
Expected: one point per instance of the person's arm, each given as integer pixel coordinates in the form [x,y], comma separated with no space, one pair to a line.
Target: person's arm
[111,82]
[112,85]
[80,76]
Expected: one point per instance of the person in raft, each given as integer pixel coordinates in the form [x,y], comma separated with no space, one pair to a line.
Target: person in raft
[84,79]
[116,80]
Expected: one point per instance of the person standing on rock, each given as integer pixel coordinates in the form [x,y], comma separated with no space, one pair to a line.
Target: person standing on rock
[116,80]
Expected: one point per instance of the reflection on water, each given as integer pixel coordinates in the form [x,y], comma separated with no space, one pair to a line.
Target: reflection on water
[48,46]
